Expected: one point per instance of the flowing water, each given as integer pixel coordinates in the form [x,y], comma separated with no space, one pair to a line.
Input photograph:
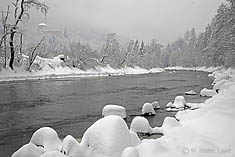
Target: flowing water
[70,106]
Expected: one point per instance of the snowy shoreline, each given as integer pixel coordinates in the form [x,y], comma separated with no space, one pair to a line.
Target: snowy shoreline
[66,72]
[59,72]
[206,131]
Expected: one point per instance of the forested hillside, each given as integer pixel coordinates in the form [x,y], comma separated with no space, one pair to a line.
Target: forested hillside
[213,47]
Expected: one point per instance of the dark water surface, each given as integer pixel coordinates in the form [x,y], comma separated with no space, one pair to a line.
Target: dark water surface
[70,106]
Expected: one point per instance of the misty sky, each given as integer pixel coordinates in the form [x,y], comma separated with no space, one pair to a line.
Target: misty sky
[164,20]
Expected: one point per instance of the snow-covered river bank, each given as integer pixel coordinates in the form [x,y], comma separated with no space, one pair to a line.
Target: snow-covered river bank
[70,106]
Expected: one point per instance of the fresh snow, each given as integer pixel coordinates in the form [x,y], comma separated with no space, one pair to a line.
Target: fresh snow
[169,104]
[191,92]
[47,139]
[207,92]
[148,109]
[53,154]
[130,152]
[54,68]
[29,150]
[107,137]
[156,105]
[141,125]
[114,110]
[179,102]
[207,131]
[71,147]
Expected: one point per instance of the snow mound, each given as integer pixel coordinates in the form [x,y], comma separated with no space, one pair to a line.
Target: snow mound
[140,125]
[53,154]
[147,109]
[49,63]
[71,147]
[194,106]
[107,137]
[47,139]
[28,150]
[179,102]
[130,152]
[207,92]
[151,148]
[219,84]
[156,105]
[169,104]
[134,138]
[191,92]
[114,110]
[169,123]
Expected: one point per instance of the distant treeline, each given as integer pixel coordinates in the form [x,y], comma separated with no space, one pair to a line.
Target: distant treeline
[214,47]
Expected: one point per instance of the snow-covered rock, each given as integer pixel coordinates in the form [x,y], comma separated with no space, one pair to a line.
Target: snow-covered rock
[140,125]
[130,152]
[194,106]
[47,139]
[169,122]
[156,105]
[170,109]
[107,137]
[71,147]
[147,109]
[114,110]
[135,140]
[179,102]
[29,150]
[207,92]
[53,154]
[191,92]
[170,104]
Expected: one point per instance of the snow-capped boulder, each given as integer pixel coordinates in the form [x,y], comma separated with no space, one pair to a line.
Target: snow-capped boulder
[47,139]
[130,152]
[140,125]
[169,122]
[170,104]
[147,109]
[207,92]
[170,109]
[114,110]
[135,140]
[53,154]
[29,150]
[156,105]
[179,102]
[191,92]
[107,137]
[194,106]
[71,147]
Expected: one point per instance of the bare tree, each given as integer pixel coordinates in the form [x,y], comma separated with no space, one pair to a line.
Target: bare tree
[21,8]
[5,33]
[33,54]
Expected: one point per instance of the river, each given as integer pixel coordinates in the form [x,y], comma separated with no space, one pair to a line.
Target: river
[70,106]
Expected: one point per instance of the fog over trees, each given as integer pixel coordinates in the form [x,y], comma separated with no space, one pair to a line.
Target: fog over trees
[213,47]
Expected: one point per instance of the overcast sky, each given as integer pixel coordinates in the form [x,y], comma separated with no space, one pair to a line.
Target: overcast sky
[164,20]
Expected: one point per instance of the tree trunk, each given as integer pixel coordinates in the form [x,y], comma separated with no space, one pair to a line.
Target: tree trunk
[12,50]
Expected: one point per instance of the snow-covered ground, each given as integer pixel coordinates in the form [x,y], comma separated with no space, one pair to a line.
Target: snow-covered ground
[55,68]
[207,131]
